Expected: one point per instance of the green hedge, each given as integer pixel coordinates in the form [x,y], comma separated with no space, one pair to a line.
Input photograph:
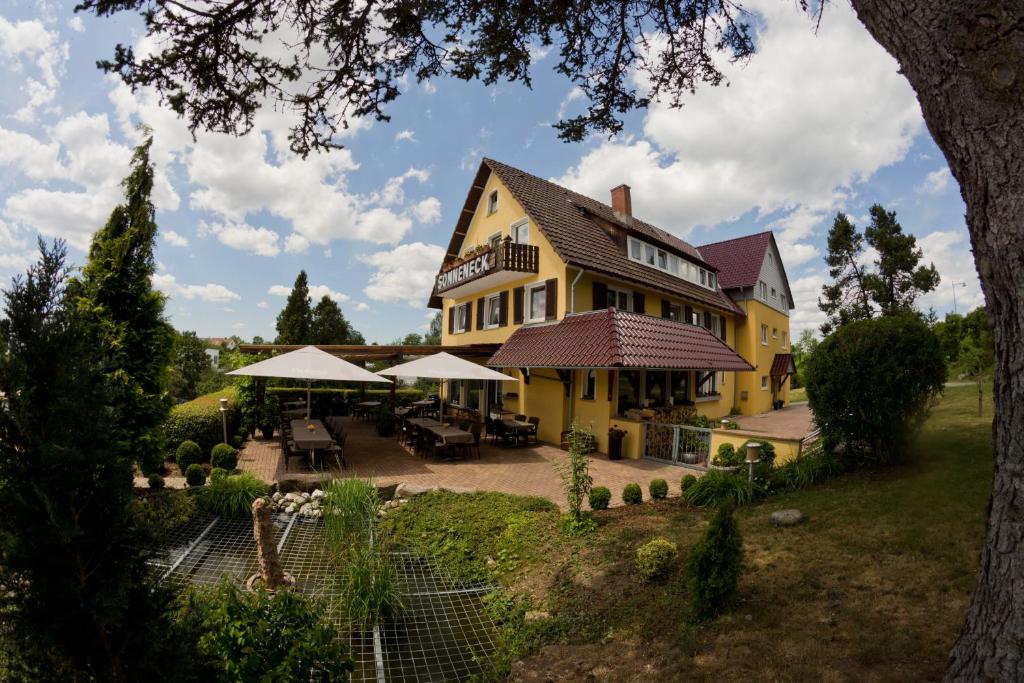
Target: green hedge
[199,420]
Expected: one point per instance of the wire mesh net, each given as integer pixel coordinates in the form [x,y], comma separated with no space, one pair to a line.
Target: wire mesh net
[442,634]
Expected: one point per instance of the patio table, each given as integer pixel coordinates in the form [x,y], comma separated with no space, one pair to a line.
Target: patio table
[519,428]
[310,439]
[452,435]
[293,413]
[423,403]
[424,422]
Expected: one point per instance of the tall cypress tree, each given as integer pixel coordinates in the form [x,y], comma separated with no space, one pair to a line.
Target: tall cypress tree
[329,324]
[295,321]
[125,315]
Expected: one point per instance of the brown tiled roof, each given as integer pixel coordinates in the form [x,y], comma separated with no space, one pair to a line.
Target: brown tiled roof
[568,221]
[616,339]
[738,260]
[782,364]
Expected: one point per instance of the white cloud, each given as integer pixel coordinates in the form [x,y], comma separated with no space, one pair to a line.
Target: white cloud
[950,251]
[427,211]
[9,238]
[14,261]
[936,182]
[296,244]
[360,306]
[174,239]
[76,24]
[405,136]
[29,44]
[238,326]
[243,237]
[316,292]
[209,292]
[405,273]
[575,93]
[771,141]
[806,291]
[262,304]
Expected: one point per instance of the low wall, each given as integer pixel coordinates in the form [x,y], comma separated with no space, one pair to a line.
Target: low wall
[785,449]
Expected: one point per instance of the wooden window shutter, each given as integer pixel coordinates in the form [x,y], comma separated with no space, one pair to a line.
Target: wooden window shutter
[451,320]
[688,314]
[517,306]
[469,315]
[481,303]
[638,303]
[503,309]
[551,299]
[721,327]
[707,320]
[666,309]
[600,296]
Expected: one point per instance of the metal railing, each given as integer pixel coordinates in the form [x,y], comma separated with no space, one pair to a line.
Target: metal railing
[677,444]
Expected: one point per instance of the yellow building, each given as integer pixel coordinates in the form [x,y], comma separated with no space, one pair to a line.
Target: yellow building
[607,320]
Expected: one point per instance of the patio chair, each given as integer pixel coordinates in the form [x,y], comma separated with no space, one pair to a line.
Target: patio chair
[520,418]
[535,423]
[503,434]
[337,451]
[289,451]
[489,426]
[474,429]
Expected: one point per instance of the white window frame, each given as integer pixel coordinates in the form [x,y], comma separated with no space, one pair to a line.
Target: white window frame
[705,394]
[492,303]
[589,386]
[764,290]
[712,280]
[764,335]
[492,202]
[494,240]
[764,382]
[651,255]
[461,314]
[785,339]
[775,333]
[528,303]
[624,292]
[782,300]
[774,293]
[514,229]
[673,308]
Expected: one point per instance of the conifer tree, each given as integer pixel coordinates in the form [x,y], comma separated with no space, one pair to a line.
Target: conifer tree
[295,321]
[329,325]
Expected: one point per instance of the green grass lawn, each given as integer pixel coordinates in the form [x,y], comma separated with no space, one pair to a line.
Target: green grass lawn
[873,586]
[797,395]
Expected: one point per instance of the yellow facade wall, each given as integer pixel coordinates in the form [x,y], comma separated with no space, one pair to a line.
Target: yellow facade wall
[785,449]
[748,345]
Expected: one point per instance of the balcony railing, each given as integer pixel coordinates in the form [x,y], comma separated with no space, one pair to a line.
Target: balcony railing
[507,257]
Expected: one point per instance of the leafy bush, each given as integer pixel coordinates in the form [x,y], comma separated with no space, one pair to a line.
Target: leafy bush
[871,383]
[218,473]
[194,475]
[237,442]
[599,498]
[161,512]
[243,432]
[715,489]
[809,467]
[231,496]
[632,494]
[155,481]
[188,453]
[658,489]
[686,482]
[224,456]
[715,565]
[199,420]
[728,456]
[263,636]
[655,558]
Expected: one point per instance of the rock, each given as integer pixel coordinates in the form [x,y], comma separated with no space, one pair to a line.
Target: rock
[277,497]
[318,495]
[491,564]
[305,509]
[410,490]
[293,497]
[291,508]
[787,517]
[536,615]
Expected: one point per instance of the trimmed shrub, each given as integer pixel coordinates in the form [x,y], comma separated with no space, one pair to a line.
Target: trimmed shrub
[156,481]
[199,420]
[217,473]
[243,432]
[188,453]
[163,511]
[728,456]
[686,482]
[194,475]
[870,385]
[658,489]
[632,494]
[655,558]
[715,489]
[599,498]
[237,442]
[715,565]
[231,496]
[224,456]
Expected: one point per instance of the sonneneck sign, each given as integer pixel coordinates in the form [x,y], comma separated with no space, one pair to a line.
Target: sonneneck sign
[475,267]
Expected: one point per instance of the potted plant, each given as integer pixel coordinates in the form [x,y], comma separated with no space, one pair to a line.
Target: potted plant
[615,436]
[269,416]
[385,423]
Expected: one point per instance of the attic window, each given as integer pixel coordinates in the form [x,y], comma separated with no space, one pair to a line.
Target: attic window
[492,202]
[660,259]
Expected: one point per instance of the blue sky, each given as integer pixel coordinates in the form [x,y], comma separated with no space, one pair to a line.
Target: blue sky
[813,124]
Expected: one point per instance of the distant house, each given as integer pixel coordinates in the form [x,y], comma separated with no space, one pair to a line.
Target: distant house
[214,355]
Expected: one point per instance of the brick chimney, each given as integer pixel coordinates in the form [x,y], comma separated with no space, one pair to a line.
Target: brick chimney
[622,204]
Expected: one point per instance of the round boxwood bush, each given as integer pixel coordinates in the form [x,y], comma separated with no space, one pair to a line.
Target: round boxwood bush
[156,481]
[658,489]
[237,441]
[728,456]
[632,494]
[687,481]
[217,473]
[194,475]
[224,457]
[600,496]
[188,453]
[243,432]
[655,558]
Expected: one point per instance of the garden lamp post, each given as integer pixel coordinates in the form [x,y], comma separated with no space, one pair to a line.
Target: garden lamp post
[753,457]
[224,417]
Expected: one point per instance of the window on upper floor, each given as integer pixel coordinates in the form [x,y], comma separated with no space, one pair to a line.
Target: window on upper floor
[661,259]
[536,303]
[764,382]
[764,335]
[703,277]
[764,290]
[620,299]
[775,333]
[773,292]
[492,314]
[494,241]
[771,259]
[707,384]
[785,339]
[782,300]
[712,280]
[676,312]
[461,317]
[492,202]
[520,231]
[716,325]
[589,389]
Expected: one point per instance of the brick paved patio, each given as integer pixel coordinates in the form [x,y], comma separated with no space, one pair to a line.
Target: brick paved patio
[526,471]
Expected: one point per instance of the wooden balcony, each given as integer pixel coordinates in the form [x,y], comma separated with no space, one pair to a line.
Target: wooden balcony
[487,268]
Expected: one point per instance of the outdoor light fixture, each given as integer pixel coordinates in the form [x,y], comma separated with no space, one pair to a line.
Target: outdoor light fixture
[753,457]
[224,417]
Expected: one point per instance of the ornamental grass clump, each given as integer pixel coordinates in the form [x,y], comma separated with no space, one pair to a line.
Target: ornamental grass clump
[715,489]
[231,496]
[715,565]
[655,558]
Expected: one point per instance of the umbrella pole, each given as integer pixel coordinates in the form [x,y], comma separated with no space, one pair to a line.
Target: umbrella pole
[309,396]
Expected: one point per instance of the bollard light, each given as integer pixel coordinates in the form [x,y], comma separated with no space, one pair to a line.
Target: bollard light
[753,457]
[224,417]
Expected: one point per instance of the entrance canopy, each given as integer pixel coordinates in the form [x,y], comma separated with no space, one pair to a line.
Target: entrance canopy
[445,366]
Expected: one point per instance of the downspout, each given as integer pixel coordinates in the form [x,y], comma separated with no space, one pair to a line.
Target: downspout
[572,289]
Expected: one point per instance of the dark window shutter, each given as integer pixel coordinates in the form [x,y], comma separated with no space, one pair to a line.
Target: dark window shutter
[503,309]
[469,315]
[517,306]
[480,304]
[688,314]
[451,320]
[666,309]
[600,296]
[721,327]
[638,303]
[551,299]
[707,320]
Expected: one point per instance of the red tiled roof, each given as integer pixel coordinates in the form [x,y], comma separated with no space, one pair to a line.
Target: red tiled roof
[783,364]
[738,260]
[617,339]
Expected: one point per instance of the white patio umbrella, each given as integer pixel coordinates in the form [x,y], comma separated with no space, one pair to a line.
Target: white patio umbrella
[445,366]
[309,363]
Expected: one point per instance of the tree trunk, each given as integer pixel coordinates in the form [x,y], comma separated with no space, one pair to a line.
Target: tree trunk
[965,60]
[266,545]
